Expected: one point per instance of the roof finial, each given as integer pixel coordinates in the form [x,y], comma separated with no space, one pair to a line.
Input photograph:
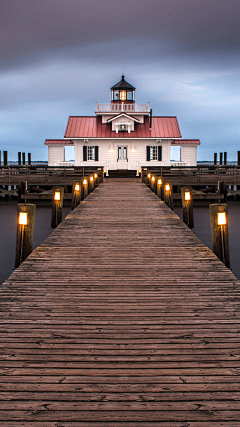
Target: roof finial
[123,77]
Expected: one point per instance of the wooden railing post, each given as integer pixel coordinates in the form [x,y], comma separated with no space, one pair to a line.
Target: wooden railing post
[57,204]
[76,194]
[187,204]
[219,230]
[25,231]
[168,194]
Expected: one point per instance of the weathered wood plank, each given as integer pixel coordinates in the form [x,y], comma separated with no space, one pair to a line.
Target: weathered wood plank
[121,317]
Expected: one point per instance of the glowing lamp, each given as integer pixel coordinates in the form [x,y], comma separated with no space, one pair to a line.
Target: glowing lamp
[22,218]
[221,218]
[167,188]
[139,170]
[84,182]
[91,178]
[77,187]
[153,178]
[159,182]
[187,195]
[57,195]
[104,171]
[95,175]
[149,175]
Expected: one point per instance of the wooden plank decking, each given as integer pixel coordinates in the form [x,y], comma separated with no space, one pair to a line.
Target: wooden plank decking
[121,318]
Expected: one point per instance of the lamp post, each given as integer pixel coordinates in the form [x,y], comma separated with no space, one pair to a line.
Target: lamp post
[219,231]
[168,194]
[57,204]
[76,194]
[25,230]
[187,205]
[84,188]
[160,192]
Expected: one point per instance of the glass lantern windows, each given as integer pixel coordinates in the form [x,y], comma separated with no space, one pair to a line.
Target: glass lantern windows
[122,95]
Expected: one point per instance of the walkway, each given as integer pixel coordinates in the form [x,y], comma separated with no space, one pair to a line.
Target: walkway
[121,318]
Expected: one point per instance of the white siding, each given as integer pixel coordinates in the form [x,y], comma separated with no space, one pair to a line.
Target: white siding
[56,154]
[108,151]
[189,154]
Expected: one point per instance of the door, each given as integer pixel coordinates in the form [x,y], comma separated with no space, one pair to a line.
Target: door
[122,159]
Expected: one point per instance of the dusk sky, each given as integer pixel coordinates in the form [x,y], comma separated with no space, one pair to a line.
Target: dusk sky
[58,57]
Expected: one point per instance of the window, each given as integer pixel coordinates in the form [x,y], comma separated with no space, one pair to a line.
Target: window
[154,152]
[91,152]
[123,127]
[116,95]
[129,96]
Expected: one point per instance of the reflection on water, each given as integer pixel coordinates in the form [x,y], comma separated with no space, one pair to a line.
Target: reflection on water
[8,220]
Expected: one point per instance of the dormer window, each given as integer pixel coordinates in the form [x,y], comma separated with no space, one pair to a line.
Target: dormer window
[123,127]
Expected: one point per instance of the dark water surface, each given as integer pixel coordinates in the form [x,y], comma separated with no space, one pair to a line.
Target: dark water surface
[8,220]
[8,230]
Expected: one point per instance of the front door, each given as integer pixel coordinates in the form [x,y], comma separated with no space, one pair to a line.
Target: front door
[122,159]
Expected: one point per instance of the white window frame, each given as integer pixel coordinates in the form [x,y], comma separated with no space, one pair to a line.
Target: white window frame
[91,153]
[153,152]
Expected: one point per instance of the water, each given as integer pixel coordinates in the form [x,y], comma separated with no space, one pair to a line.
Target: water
[8,221]
[8,230]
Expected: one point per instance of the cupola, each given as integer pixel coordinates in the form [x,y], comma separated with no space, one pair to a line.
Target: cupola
[123,92]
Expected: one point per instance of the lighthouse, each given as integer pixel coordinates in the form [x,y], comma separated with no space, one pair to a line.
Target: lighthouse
[122,135]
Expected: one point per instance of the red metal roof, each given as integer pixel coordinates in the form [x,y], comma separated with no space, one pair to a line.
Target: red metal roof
[92,127]
[59,142]
[186,142]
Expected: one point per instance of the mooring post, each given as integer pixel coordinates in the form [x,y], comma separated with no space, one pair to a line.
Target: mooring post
[220,159]
[5,158]
[25,231]
[215,159]
[84,188]
[168,194]
[238,158]
[0,158]
[23,159]
[148,180]
[76,194]
[29,159]
[19,158]
[219,230]
[57,204]
[95,179]
[159,188]
[187,204]
[225,158]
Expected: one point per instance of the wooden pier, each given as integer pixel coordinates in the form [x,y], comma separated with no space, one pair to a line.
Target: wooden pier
[121,318]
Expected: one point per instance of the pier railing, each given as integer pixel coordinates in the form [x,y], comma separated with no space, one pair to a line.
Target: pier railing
[45,174]
[200,174]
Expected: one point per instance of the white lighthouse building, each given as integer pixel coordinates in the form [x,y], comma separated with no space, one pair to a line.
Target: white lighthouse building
[122,135]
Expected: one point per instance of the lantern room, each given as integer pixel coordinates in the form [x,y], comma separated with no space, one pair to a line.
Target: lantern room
[123,92]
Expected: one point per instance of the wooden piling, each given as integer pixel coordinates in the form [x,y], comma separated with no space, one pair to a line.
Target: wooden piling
[29,159]
[5,158]
[23,159]
[168,194]
[25,231]
[21,190]
[220,159]
[90,184]
[153,183]
[215,159]
[84,188]
[76,194]
[225,158]
[0,158]
[223,190]
[238,158]
[220,245]
[19,158]
[57,204]
[187,205]
[160,187]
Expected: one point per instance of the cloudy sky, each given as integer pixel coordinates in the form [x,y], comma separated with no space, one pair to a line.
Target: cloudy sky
[58,57]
